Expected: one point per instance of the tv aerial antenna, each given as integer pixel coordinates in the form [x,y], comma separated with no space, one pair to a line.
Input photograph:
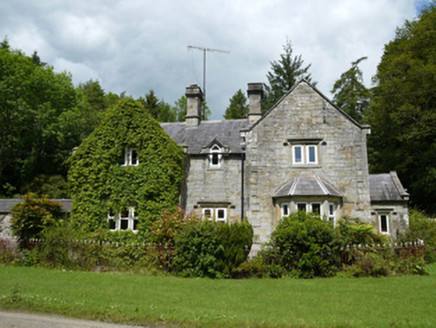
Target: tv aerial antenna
[205,50]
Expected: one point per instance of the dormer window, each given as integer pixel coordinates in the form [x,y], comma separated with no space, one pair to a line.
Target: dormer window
[131,157]
[215,157]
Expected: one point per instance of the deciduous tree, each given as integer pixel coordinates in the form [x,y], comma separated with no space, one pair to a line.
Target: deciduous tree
[403,113]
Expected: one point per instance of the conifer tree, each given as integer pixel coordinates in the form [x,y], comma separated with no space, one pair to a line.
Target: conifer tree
[284,73]
[238,107]
[350,94]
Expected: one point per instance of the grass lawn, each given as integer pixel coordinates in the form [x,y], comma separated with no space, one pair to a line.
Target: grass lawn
[140,299]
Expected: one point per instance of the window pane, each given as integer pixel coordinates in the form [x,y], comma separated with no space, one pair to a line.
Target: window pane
[285,209]
[298,156]
[301,207]
[311,154]
[215,159]
[316,208]
[111,224]
[207,213]
[135,224]
[134,157]
[124,224]
[384,223]
[331,209]
[221,214]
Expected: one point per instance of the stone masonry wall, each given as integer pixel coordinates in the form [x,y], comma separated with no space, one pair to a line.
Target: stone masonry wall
[342,156]
[210,187]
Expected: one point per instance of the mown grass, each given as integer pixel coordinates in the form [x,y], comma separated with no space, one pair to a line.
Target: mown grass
[139,299]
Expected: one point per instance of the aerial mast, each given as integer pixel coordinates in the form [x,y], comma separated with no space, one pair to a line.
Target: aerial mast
[204,66]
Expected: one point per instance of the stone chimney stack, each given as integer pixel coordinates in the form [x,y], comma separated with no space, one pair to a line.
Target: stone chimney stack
[195,99]
[255,94]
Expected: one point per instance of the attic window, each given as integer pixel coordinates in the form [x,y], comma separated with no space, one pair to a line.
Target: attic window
[131,157]
[215,157]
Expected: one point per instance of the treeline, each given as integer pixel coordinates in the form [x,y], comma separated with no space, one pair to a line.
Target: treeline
[43,117]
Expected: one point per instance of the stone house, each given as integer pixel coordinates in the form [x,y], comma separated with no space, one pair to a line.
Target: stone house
[303,154]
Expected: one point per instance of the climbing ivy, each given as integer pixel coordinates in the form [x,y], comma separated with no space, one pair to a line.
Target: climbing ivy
[99,181]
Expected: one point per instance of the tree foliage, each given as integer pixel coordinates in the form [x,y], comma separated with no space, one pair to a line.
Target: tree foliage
[238,107]
[284,74]
[99,182]
[32,98]
[349,92]
[403,113]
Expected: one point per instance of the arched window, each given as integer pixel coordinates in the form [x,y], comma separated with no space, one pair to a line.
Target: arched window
[215,157]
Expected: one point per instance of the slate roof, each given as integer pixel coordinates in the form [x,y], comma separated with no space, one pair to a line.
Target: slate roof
[307,186]
[7,204]
[198,137]
[386,187]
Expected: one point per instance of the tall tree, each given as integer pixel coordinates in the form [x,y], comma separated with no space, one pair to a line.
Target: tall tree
[32,97]
[157,108]
[238,107]
[94,94]
[350,93]
[403,112]
[180,108]
[284,74]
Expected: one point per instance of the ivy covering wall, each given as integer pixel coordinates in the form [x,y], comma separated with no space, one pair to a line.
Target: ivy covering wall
[100,182]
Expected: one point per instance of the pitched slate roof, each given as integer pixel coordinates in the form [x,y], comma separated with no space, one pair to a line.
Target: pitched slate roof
[307,186]
[386,187]
[7,204]
[195,138]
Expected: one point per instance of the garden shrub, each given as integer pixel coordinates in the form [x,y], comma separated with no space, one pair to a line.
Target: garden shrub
[352,231]
[211,249]
[100,183]
[253,268]
[307,245]
[423,228]
[30,217]
[163,235]
[384,262]
[236,239]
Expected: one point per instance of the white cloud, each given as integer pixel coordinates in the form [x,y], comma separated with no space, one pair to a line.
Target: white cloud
[135,46]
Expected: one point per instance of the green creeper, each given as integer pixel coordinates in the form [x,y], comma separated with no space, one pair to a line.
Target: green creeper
[100,182]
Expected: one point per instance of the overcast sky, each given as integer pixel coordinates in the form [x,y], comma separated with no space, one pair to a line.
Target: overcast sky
[138,45]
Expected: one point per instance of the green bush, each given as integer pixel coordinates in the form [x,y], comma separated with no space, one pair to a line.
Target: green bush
[307,245]
[384,262]
[210,249]
[352,231]
[236,240]
[30,217]
[424,228]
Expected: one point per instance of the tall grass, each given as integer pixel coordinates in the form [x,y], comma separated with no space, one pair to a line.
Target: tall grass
[407,301]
